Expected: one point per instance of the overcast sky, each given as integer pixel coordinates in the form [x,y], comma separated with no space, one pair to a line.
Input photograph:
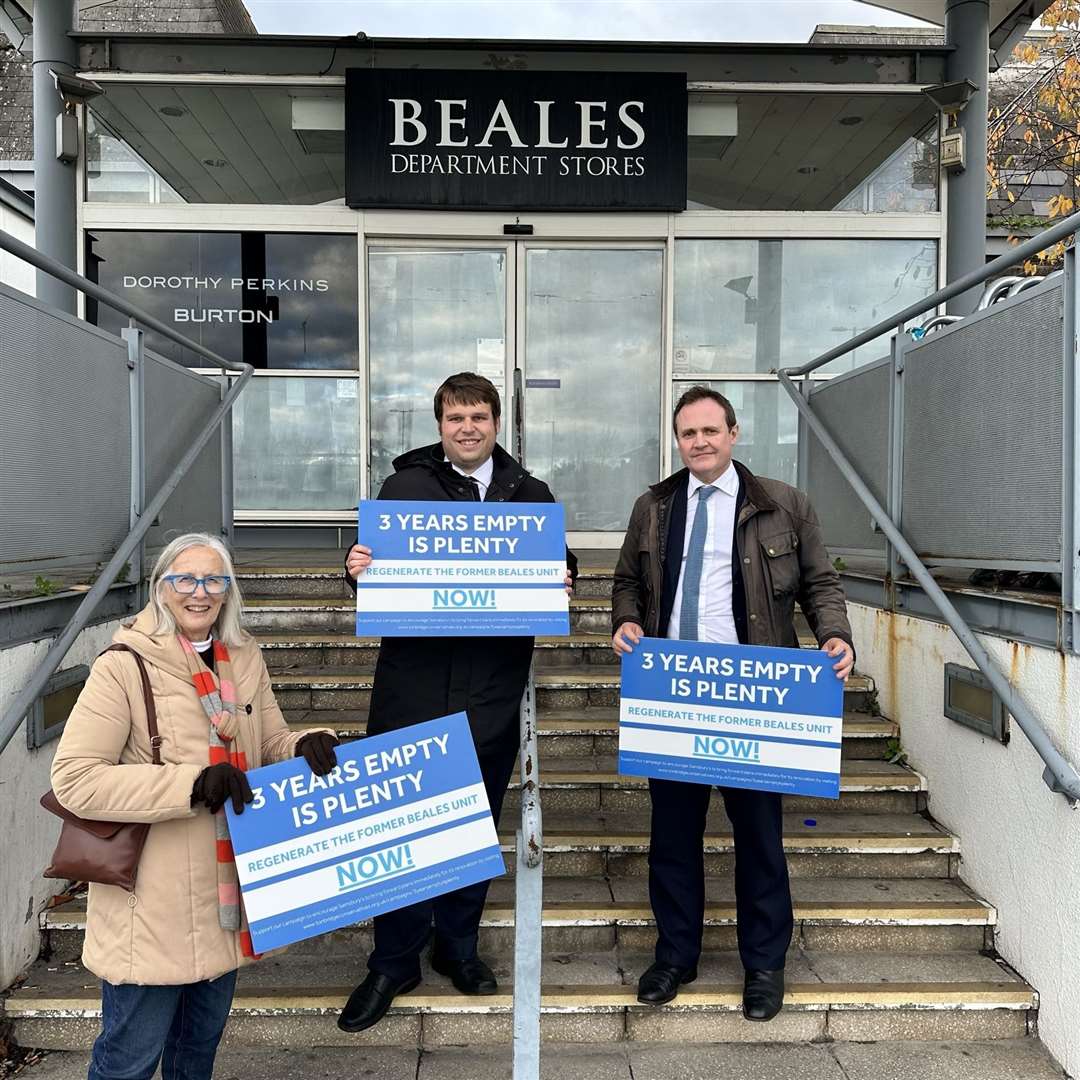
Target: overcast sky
[634,20]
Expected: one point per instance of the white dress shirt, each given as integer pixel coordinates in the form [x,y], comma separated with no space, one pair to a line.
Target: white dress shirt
[482,476]
[716,621]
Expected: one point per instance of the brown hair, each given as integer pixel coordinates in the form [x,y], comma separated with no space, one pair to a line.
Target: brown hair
[703,393]
[467,388]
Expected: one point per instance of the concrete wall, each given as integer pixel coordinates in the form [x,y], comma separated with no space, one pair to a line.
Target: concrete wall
[15,272]
[28,833]
[1020,842]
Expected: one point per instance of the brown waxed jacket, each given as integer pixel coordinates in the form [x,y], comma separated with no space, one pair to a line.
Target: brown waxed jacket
[784,560]
[166,932]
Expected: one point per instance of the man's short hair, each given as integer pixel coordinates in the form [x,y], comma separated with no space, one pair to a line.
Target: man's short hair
[703,393]
[467,388]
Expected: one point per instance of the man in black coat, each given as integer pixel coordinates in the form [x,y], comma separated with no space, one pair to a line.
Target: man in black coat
[421,678]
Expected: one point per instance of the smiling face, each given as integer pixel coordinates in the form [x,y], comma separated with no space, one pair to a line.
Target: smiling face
[195,615]
[705,440]
[468,434]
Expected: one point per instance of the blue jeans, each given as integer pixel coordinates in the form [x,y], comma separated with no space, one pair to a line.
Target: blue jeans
[180,1026]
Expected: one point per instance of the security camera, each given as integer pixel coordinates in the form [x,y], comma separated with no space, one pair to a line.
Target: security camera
[950,98]
[75,91]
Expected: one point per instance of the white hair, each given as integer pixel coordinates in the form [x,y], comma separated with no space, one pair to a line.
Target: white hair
[229,628]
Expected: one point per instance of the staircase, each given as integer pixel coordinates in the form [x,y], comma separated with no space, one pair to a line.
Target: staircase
[889,943]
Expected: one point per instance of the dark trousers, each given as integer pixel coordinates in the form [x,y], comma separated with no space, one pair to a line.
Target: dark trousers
[401,935]
[180,1026]
[677,873]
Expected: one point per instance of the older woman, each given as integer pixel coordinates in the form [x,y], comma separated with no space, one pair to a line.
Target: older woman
[167,954]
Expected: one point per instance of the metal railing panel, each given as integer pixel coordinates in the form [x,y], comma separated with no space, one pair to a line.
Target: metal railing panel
[177,405]
[64,436]
[855,406]
[982,437]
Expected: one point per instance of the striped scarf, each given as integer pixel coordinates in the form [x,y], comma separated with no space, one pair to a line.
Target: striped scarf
[218,697]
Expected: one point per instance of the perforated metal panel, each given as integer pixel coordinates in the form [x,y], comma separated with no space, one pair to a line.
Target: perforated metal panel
[178,405]
[64,435]
[982,435]
[855,409]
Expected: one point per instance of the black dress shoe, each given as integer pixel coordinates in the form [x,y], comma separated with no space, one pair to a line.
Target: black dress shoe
[470,976]
[763,994]
[661,983]
[368,1003]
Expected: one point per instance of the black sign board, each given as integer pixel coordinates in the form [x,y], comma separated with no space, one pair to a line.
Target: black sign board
[515,140]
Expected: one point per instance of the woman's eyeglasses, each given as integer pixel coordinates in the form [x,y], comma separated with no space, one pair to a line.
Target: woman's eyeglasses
[186,584]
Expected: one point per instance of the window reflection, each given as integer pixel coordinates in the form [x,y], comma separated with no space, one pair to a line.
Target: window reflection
[431,313]
[768,426]
[754,305]
[296,444]
[272,300]
[592,362]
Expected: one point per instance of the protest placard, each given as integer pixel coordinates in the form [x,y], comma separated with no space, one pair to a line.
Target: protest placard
[741,716]
[462,569]
[404,817]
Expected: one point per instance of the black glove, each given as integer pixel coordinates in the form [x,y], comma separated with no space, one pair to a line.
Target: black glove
[317,749]
[217,784]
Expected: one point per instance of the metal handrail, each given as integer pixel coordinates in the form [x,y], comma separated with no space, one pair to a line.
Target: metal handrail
[1059,775]
[528,898]
[14,716]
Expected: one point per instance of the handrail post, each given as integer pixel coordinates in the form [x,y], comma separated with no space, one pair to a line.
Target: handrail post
[895,495]
[133,336]
[528,899]
[1070,445]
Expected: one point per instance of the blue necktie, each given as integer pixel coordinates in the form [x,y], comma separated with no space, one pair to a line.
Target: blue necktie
[695,559]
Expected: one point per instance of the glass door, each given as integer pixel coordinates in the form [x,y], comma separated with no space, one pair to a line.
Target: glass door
[590,343]
[432,312]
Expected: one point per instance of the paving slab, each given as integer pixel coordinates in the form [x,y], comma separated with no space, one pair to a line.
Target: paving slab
[496,1063]
[1008,1059]
[768,1061]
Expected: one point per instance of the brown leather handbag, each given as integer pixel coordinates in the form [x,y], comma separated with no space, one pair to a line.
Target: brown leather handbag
[105,852]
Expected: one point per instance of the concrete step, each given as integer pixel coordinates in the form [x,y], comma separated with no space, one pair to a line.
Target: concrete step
[571,784]
[833,843]
[350,688]
[292,999]
[594,914]
[584,732]
[593,582]
[292,614]
[284,651]
[998,1059]
[970,1060]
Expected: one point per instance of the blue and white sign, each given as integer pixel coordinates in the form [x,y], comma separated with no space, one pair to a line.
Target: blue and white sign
[740,716]
[455,569]
[404,817]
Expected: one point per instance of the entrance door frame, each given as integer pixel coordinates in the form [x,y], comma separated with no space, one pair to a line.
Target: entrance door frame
[516,251]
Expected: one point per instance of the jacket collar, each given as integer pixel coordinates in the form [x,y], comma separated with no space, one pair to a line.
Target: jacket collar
[507,475]
[756,496]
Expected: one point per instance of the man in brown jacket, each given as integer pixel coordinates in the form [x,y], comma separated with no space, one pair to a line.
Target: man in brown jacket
[714,553]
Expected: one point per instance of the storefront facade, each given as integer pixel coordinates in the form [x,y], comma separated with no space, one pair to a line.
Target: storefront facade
[593,228]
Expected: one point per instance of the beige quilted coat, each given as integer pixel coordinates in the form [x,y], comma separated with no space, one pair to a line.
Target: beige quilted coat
[167,931]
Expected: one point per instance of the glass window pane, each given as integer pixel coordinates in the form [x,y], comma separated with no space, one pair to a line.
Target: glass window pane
[755,305]
[432,313]
[280,145]
[768,426]
[792,151]
[273,300]
[593,348]
[296,444]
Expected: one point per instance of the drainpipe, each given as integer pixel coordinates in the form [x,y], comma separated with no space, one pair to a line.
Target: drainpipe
[967,30]
[55,187]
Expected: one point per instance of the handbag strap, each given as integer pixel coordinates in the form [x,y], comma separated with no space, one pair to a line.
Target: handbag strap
[148,699]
